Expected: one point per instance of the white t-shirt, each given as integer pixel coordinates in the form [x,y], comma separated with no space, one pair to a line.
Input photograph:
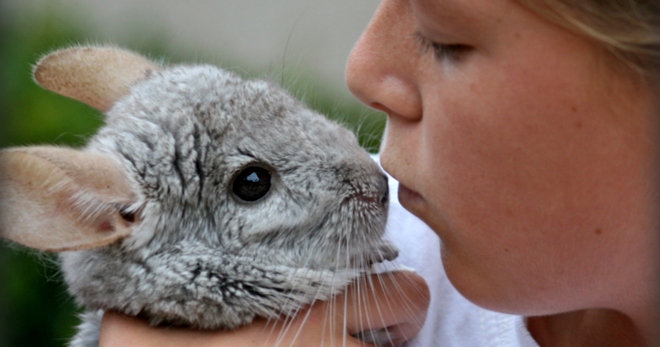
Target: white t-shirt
[452,320]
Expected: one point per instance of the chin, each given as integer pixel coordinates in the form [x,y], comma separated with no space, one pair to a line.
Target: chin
[485,288]
[474,288]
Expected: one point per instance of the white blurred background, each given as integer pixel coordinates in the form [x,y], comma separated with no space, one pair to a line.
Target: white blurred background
[312,36]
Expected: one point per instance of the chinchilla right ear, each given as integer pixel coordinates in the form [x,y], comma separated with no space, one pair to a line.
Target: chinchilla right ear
[58,199]
[95,75]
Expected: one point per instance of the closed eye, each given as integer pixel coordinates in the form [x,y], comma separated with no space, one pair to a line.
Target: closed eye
[441,51]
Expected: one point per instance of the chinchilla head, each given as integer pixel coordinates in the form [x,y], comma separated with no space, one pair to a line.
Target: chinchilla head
[204,200]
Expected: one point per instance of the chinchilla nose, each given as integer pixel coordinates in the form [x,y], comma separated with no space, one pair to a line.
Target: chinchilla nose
[384,188]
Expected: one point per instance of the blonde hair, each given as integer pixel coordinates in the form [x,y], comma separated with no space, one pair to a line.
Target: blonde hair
[629,29]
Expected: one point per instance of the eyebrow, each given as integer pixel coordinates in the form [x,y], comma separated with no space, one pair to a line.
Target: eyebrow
[454,12]
[441,7]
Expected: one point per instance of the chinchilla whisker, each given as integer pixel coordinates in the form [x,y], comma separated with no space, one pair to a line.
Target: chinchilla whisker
[362,296]
[345,321]
[281,333]
[332,308]
[289,321]
[287,324]
[327,318]
[301,327]
[272,322]
[344,325]
[380,313]
[398,292]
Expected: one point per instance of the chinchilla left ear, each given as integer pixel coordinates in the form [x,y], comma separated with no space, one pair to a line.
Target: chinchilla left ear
[95,75]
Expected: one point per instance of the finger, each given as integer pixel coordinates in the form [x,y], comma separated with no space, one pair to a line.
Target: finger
[392,305]
[121,330]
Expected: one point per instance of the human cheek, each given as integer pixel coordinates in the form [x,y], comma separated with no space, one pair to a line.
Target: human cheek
[532,176]
[477,167]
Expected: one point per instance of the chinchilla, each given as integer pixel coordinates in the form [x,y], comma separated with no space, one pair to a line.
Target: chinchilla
[205,200]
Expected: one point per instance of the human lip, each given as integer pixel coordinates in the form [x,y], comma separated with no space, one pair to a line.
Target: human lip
[409,198]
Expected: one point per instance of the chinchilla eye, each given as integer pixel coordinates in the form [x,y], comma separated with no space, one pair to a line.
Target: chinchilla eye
[251,184]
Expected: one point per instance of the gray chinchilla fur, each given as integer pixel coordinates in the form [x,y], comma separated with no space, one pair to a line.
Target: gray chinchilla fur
[204,201]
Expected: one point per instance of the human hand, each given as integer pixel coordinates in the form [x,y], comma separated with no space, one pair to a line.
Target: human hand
[397,301]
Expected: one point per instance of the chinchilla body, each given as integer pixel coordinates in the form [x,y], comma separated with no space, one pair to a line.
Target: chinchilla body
[243,203]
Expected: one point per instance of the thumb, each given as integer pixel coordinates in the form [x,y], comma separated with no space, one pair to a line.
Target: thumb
[386,309]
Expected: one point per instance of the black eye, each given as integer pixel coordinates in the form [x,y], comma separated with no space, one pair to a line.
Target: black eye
[251,184]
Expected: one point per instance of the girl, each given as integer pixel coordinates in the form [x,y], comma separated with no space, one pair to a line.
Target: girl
[521,133]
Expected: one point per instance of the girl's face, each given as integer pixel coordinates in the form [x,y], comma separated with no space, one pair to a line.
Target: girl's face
[519,143]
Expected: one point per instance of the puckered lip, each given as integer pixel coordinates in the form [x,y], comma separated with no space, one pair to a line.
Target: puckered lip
[410,199]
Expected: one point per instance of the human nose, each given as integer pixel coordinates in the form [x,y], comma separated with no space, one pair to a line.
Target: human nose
[382,68]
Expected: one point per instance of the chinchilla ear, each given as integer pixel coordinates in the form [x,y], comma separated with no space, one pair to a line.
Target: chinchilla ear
[58,199]
[95,75]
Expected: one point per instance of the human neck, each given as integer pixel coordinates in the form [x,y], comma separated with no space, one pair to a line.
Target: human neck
[593,327]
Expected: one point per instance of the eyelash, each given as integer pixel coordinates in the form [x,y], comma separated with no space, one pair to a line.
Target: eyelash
[441,51]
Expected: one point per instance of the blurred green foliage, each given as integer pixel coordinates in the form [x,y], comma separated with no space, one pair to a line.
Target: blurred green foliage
[35,309]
